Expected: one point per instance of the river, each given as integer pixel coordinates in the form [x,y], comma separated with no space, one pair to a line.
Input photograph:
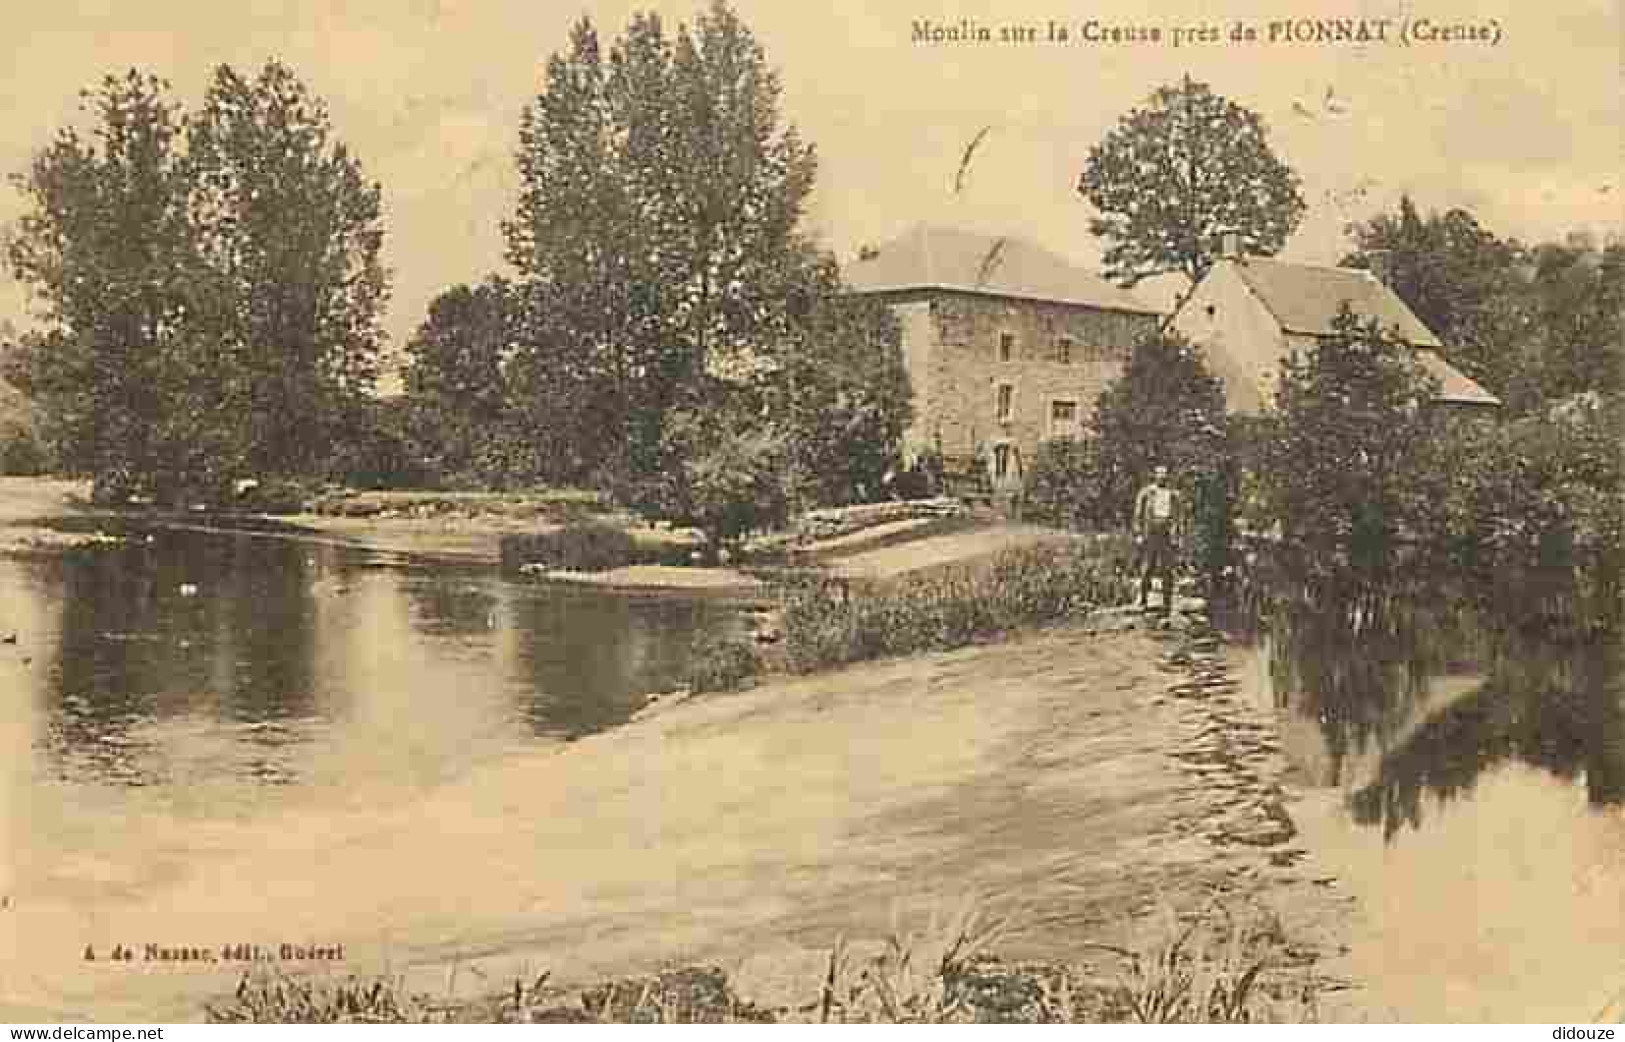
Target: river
[236,738]
[1465,775]
[184,698]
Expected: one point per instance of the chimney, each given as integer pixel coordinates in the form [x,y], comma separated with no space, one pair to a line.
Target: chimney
[1230,246]
[1380,263]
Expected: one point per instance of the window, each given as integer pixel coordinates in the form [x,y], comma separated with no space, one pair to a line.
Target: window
[1004,403]
[1007,346]
[1003,456]
[1063,418]
[1063,350]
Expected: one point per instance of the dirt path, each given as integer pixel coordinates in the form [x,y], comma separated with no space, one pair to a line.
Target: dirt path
[1037,775]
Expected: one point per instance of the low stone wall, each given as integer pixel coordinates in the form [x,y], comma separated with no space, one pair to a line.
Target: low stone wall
[838,521]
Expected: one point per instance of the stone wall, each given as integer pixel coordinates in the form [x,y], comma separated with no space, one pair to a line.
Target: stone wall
[957,398]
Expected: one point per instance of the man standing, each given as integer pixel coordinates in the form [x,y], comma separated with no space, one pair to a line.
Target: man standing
[1154,510]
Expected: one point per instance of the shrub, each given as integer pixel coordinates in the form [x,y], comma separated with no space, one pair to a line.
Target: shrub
[724,479]
[1063,484]
[827,623]
[21,452]
[721,663]
[578,546]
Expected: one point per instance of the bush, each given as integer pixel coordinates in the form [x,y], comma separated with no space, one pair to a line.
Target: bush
[578,546]
[726,480]
[1063,485]
[21,452]
[829,624]
[721,663]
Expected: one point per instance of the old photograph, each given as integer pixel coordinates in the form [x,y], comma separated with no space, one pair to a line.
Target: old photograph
[740,511]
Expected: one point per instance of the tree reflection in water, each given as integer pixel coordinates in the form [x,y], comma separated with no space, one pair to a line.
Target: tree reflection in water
[1364,661]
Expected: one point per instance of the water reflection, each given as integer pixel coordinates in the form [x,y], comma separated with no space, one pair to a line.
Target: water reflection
[1471,745]
[180,658]
[1419,688]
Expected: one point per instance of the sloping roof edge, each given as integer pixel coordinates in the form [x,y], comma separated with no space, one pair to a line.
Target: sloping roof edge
[915,261]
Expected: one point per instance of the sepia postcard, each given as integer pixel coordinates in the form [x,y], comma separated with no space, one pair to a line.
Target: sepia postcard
[937,511]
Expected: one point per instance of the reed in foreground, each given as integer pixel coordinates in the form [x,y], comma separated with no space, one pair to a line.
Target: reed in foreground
[1211,966]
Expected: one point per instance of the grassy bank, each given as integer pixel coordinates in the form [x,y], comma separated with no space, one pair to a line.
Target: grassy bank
[830,623]
[1217,964]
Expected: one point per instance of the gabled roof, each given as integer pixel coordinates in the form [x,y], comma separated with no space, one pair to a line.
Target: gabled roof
[1305,298]
[928,257]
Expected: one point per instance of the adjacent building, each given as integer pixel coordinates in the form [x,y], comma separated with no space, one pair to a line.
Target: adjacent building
[1248,314]
[1006,344]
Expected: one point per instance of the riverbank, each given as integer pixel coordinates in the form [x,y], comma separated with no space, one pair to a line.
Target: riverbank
[1062,779]
[472,527]
[1043,776]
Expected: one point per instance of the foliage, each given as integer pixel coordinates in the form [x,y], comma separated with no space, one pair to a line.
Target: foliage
[1165,408]
[375,446]
[725,476]
[840,385]
[1210,969]
[1534,325]
[456,392]
[106,246]
[1177,174]
[20,451]
[1063,486]
[1344,459]
[721,663]
[925,976]
[1213,968]
[210,285]
[1577,343]
[290,233]
[830,624]
[1462,282]
[1539,496]
[656,233]
[279,998]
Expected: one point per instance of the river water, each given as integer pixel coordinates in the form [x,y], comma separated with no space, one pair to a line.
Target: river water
[1467,789]
[180,698]
[212,738]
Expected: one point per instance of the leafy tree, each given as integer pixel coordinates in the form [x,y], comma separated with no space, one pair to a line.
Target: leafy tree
[1346,457]
[456,392]
[1177,174]
[657,231]
[210,286]
[290,231]
[573,241]
[106,246]
[729,477]
[1463,283]
[1532,324]
[1577,343]
[840,387]
[1165,408]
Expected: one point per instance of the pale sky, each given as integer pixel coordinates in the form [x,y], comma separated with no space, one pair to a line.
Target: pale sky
[428,93]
